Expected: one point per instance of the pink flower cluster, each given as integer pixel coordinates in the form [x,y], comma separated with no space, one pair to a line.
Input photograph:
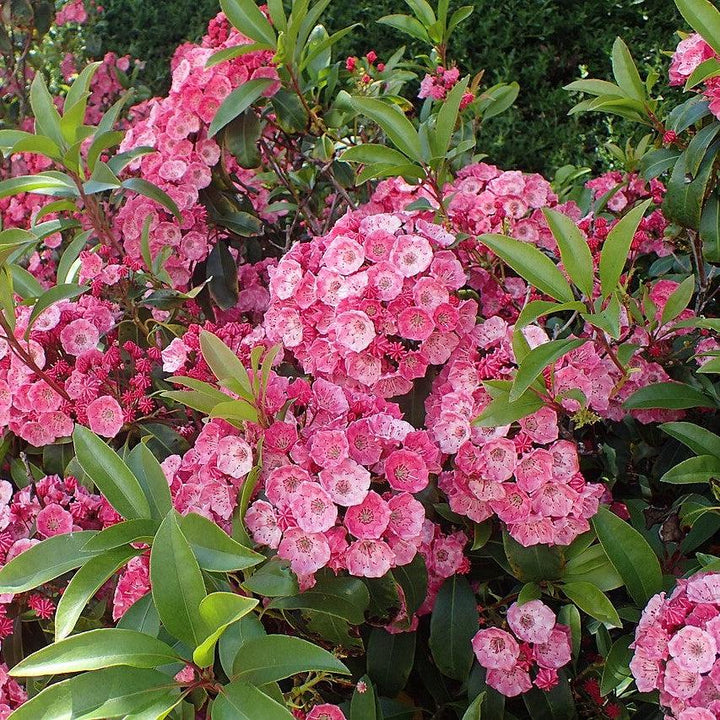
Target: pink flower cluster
[373,303]
[522,473]
[676,648]
[12,694]
[176,128]
[71,12]
[690,53]
[537,641]
[440,83]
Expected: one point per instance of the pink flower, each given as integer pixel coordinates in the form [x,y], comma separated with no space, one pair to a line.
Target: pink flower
[262,523]
[694,650]
[53,519]
[533,621]
[415,324]
[681,683]
[79,337]
[510,683]
[174,356]
[500,457]
[355,330]
[369,519]
[369,558]
[306,552]
[105,416]
[406,471]
[556,652]
[495,649]
[329,448]
[313,508]
[329,712]
[347,483]
[406,516]
[283,483]
[234,457]
[411,254]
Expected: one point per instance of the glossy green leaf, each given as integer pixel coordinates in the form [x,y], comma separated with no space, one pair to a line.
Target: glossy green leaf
[142,617]
[291,114]
[242,701]
[110,474]
[699,439]
[679,300]
[70,255]
[617,664]
[537,360]
[686,193]
[97,649]
[275,657]
[236,635]
[226,366]
[569,615]
[149,473]
[474,711]
[47,118]
[616,248]
[574,250]
[45,561]
[371,154]
[669,395]
[219,610]
[213,548]
[85,583]
[625,71]
[249,20]
[241,137]
[704,18]
[534,563]
[710,229]
[42,183]
[446,121]
[177,584]
[630,554]
[453,623]
[407,24]
[531,264]
[273,579]
[390,658]
[700,469]
[148,190]
[363,705]
[592,565]
[501,411]
[592,601]
[107,693]
[237,102]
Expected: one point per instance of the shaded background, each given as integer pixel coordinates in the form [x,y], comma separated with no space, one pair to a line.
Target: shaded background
[541,44]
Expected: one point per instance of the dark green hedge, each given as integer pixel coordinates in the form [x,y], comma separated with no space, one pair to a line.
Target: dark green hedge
[542,44]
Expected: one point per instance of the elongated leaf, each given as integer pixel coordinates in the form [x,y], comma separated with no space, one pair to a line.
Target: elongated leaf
[226,366]
[241,137]
[685,193]
[41,183]
[574,250]
[177,584]
[474,711]
[670,395]
[616,247]
[241,701]
[537,360]
[390,659]
[122,534]
[535,563]
[249,20]
[630,554]
[45,561]
[363,705]
[149,473]
[85,583]
[108,693]
[453,623]
[592,601]
[275,657]
[679,300]
[446,120]
[237,102]
[710,229]
[47,118]
[656,162]
[97,649]
[704,18]
[291,114]
[697,438]
[625,72]
[371,154]
[110,474]
[407,24]
[219,610]
[143,187]
[617,664]
[142,617]
[532,265]
[393,123]
[702,468]
[501,411]
[50,297]
[213,548]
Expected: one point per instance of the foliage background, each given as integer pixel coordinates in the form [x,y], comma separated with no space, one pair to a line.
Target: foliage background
[541,44]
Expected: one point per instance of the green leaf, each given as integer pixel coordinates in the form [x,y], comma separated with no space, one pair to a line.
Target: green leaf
[532,265]
[291,114]
[70,255]
[710,229]
[96,649]
[686,193]
[122,533]
[85,583]
[249,20]
[474,711]
[149,473]
[371,154]
[413,579]
[617,664]
[177,584]
[592,565]
[697,438]
[107,693]
[501,411]
[47,118]
[241,136]
[275,657]
[592,601]
[363,705]
[534,563]
[530,591]
[241,701]
[235,411]
[630,554]
[616,247]
[669,395]
[390,658]
[213,548]
[698,147]
[537,360]
[42,183]
[569,615]
[625,71]
[274,579]
[704,71]
[237,102]
[45,561]
[704,18]
[226,366]
[574,250]
[142,617]
[407,24]
[679,300]
[110,474]
[50,297]
[423,11]
[393,123]
[441,137]
[219,610]
[700,469]
[453,623]
[148,190]
[656,162]
[343,597]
